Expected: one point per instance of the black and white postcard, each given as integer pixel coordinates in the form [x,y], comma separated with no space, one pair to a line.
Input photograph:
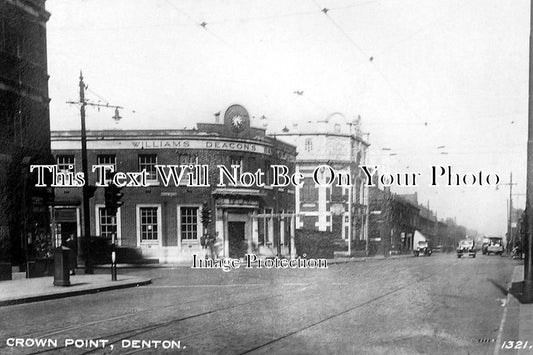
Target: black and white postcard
[266,176]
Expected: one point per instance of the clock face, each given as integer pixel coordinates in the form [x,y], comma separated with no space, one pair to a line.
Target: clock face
[237,118]
[237,122]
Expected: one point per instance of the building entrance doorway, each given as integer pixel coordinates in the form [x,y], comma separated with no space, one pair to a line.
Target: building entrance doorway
[237,240]
[66,223]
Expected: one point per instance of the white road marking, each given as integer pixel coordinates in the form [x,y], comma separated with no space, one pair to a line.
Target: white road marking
[504,316]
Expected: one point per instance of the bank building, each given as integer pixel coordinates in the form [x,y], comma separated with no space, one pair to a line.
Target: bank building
[165,222]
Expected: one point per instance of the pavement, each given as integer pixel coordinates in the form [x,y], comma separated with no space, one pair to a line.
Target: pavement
[525,323]
[342,260]
[524,334]
[22,290]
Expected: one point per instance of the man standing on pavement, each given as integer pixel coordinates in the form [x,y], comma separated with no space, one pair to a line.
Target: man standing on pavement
[203,243]
[70,243]
[210,242]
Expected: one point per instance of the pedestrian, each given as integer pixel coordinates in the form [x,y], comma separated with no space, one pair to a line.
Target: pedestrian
[210,242]
[203,243]
[218,245]
[71,244]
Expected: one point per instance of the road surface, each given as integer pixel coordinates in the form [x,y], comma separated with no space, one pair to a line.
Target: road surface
[430,305]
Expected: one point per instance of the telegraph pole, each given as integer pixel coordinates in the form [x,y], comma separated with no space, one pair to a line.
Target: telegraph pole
[85,170]
[527,285]
[510,221]
[85,188]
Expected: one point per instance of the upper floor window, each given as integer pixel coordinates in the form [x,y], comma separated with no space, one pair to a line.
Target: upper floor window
[268,173]
[148,162]
[107,159]
[65,163]
[236,160]
[188,159]
[309,190]
[336,193]
[308,144]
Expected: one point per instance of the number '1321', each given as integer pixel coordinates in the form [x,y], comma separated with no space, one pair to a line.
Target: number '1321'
[510,344]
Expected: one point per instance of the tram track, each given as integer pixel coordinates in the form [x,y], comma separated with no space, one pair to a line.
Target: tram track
[212,330]
[126,334]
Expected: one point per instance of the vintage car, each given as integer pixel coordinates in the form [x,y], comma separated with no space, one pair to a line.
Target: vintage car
[495,246]
[485,245]
[422,249]
[466,247]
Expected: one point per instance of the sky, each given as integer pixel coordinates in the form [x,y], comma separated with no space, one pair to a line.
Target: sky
[436,83]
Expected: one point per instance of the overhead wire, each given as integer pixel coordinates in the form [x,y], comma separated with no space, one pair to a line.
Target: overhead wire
[368,57]
[429,25]
[205,26]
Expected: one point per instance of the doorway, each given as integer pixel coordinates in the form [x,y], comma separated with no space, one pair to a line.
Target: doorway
[66,223]
[237,240]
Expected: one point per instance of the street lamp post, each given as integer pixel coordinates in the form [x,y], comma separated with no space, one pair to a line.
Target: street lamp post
[86,194]
[510,220]
[509,207]
[86,210]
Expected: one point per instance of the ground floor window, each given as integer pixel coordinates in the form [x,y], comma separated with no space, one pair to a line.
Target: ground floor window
[189,223]
[149,224]
[310,222]
[266,228]
[107,223]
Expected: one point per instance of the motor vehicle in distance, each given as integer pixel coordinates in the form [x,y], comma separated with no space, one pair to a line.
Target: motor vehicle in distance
[422,249]
[485,245]
[466,247]
[495,246]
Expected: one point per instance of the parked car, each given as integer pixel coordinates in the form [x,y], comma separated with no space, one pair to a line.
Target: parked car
[495,246]
[466,247]
[485,245]
[422,249]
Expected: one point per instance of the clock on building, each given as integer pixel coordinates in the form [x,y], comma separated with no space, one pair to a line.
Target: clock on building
[237,118]
[237,122]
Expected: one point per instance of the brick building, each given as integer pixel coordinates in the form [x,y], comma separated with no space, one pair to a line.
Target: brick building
[164,222]
[393,221]
[25,125]
[430,226]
